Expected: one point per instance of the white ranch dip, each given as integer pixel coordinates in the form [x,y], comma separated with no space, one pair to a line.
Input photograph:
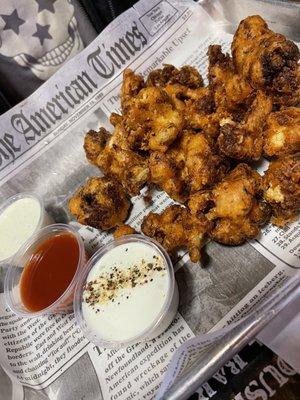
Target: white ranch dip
[18,221]
[126,291]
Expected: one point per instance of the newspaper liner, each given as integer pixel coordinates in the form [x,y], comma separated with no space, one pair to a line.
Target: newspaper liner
[151,34]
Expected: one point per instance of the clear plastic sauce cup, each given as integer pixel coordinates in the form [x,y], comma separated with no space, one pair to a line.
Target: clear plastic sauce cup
[20,217]
[27,278]
[127,293]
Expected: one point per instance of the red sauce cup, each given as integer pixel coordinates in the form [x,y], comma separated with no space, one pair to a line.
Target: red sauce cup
[12,282]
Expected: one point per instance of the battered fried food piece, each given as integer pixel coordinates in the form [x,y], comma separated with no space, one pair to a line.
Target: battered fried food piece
[131,86]
[151,121]
[176,228]
[282,189]
[167,173]
[197,107]
[101,203]
[94,143]
[231,92]
[187,76]
[234,206]
[201,113]
[124,230]
[244,141]
[282,134]
[203,167]
[185,88]
[127,167]
[191,164]
[267,60]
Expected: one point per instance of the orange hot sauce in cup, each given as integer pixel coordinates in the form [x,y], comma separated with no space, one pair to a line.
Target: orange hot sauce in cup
[49,271]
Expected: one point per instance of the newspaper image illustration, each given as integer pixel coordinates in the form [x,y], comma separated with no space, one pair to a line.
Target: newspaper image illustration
[41,151]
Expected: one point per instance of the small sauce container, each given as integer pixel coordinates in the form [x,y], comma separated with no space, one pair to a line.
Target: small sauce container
[42,276]
[127,293]
[20,217]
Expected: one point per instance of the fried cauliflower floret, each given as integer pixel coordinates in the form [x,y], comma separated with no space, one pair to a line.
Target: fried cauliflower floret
[282,134]
[151,122]
[119,137]
[131,86]
[187,76]
[267,60]
[244,140]
[235,231]
[234,206]
[282,189]
[176,228]
[203,167]
[185,88]
[197,107]
[166,173]
[123,230]
[127,167]
[201,113]
[94,143]
[101,203]
[191,164]
[230,91]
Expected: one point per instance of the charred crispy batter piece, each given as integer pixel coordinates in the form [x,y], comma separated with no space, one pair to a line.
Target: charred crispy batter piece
[282,189]
[244,141]
[234,206]
[231,92]
[124,230]
[201,113]
[151,121]
[267,60]
[282,134]
[101,203]
[176,228]
[127,167]
[94,143]
[187,76]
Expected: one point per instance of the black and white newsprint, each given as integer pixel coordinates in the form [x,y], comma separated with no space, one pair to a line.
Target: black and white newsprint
[41,150]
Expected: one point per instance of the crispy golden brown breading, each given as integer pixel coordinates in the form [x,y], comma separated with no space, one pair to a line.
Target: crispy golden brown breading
[131,86]
[267,60]
[230,91]
[101,203]
[234,206]
[282,189]
[236,231]
[176,228]
[201,113]
[123,230]
[244,140]
[185,88]
[151,121]
[94,143]
[282,134]
[191,164]
[203,167]
[166,173]
[169,75]
[127,167]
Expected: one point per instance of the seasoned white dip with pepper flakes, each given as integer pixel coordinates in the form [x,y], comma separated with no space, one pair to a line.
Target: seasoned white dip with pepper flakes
[125,291]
